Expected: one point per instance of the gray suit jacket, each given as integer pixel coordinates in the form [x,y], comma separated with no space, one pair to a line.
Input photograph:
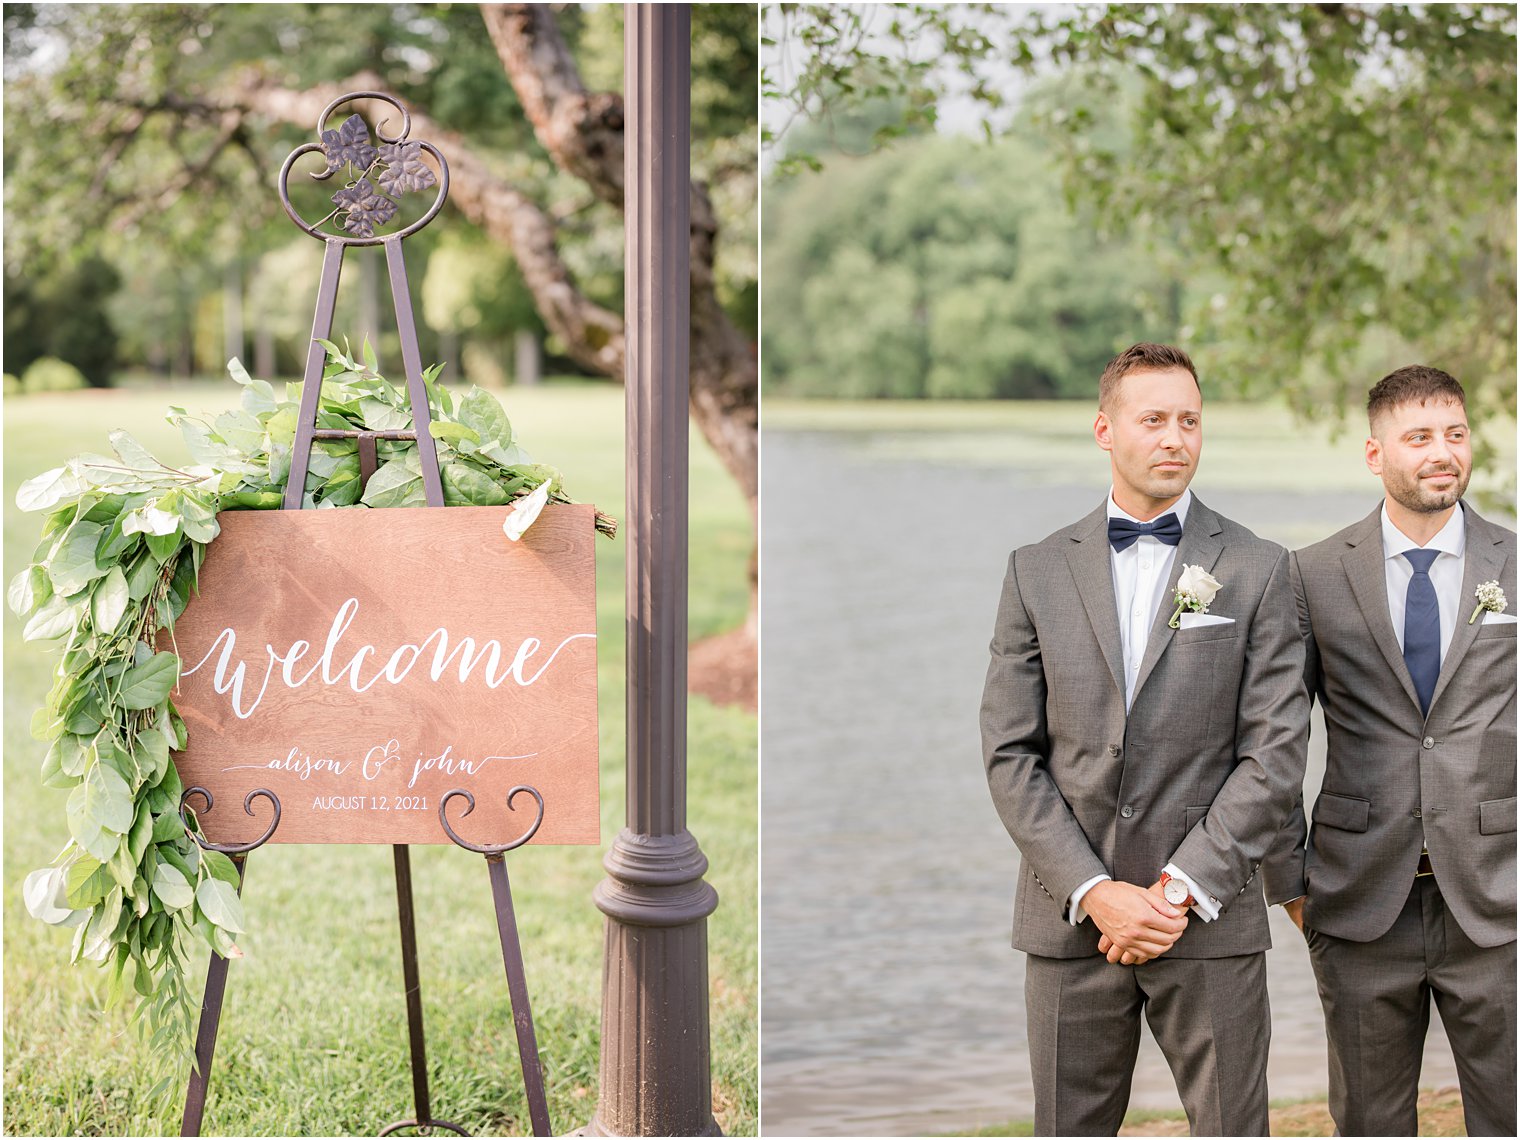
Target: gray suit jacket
[1202,771]
[1391,774]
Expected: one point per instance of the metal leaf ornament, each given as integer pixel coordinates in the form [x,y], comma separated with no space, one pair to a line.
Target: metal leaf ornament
[404,169]
[366,207]
[348,144]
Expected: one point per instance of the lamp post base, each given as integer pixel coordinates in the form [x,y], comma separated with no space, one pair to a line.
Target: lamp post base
[655,1071]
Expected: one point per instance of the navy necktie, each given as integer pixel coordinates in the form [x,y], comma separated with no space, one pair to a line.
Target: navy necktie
[1122,533]
[1422,627]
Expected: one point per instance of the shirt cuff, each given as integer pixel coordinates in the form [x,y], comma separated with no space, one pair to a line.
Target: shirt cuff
[1074,911]
[1205,905]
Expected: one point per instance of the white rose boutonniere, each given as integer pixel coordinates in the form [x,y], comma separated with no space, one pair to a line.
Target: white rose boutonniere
[1196,589]
[1490,597]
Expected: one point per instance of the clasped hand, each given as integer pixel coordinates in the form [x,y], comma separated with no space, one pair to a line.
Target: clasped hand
[1138,924]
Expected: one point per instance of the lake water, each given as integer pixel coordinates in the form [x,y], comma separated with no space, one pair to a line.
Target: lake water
[892,1003]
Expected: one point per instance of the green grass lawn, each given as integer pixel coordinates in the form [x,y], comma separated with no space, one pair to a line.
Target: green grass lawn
[313,1035]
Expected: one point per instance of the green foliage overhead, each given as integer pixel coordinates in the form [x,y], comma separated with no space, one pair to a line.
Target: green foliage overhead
[123,539]
[944,268]
[113,145]
[1342,175]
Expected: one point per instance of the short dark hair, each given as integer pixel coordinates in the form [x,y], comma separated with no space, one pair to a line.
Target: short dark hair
[1412,384]
[1142,357]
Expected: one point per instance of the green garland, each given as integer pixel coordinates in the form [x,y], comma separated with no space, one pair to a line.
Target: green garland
[121,549]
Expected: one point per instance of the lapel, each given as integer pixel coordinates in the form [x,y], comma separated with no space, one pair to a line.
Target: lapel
[1093,574]
[1482,560]
[1365,571]
[1200,546]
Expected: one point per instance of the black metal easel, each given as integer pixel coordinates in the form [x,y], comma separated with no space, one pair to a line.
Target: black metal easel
[340,147]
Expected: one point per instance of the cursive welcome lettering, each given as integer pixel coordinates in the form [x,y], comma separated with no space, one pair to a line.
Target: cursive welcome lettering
[229,675]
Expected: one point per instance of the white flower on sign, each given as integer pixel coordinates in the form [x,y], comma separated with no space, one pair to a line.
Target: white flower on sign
[1196,589]
[526,513]
[1490,597]
[46,896]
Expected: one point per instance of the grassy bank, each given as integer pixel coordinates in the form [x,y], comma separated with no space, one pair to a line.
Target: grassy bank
[313,1035]
[1440,1115]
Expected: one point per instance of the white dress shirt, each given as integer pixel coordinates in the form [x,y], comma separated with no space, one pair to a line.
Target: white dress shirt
[1141,573]
[1445,572]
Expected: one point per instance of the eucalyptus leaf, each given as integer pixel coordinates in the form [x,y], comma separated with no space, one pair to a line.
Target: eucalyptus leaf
[106,799]
[394,484]
[94,939]
[163,546]
[54,619]
[88,882]
[465,486]
[21,596]
[141,836]
[140,578]
[150,520]
[152,755]
[258,395]
[219,902]
[45,491]
[172,888]
[481,411]
[108,601]
[453,433]
[379,416]
[167,827]
[86,831]
[75,753]
[203,448]
[221,867]
[123,867]
[132,453]
[73,565]
[145,685]
[240,429]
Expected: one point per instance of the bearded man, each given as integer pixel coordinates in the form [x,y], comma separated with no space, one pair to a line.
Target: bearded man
[1405,886]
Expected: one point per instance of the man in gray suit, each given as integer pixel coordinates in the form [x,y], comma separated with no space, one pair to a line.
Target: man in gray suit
[1405,888]
[1144,756]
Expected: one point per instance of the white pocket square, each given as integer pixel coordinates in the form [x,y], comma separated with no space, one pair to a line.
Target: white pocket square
[1491,618]
[1189,621]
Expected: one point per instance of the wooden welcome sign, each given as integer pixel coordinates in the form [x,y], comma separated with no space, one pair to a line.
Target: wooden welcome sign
[361,664]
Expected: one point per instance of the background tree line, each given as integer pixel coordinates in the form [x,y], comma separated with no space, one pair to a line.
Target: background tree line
[1304,195]
[143,231]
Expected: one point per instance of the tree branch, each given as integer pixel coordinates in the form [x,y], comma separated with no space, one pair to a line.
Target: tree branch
[582,131]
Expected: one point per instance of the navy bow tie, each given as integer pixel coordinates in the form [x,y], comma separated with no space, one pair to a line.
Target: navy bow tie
[1122,533]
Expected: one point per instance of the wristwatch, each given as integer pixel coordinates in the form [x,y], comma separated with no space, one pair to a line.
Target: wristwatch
[1175,891]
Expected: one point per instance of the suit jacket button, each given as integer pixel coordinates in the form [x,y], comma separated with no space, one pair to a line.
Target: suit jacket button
[1126,811]
[1113,750]
[1428,743]
[1416,813]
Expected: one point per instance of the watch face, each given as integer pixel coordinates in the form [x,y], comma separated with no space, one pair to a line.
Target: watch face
[1175,891]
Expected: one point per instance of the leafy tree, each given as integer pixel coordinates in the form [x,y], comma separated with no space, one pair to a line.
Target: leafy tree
[944,268]
[63,315]
[1344,172]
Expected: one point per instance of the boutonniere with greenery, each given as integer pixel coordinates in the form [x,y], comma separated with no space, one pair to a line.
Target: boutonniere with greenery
[1195,592]
[122,544]
[1490,598]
